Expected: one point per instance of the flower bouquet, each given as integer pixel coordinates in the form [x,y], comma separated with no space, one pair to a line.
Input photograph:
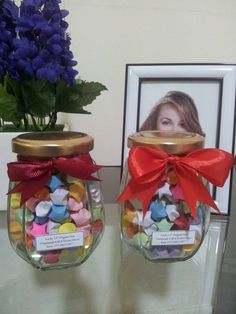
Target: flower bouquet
[37,67]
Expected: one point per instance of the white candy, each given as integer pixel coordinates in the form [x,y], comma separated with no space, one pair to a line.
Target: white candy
[172,212]
[43,208]
[58,197]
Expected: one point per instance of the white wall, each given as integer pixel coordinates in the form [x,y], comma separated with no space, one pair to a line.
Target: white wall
[108,34]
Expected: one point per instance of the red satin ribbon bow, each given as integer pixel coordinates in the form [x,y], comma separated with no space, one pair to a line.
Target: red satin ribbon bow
[147,168]
[34,175]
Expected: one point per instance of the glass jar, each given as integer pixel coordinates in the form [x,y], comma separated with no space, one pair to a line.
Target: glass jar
[156,218]
[55,204]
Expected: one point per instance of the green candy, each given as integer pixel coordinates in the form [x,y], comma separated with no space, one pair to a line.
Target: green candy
[28,215]
[136,203]
[140,239]
[164,225]
[96,210]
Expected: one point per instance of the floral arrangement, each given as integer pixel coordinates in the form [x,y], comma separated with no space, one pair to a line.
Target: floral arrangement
[37,74]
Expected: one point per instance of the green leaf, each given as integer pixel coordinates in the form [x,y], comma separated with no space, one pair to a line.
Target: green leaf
[39,97]
[8,106]
[72,99]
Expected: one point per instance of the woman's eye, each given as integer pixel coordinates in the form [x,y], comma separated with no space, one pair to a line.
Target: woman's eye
[165,122]
[182,125]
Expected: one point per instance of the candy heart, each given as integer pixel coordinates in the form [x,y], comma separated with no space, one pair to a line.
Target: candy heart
[52,227]
[31,204]
[85,229]
[77,190]
[177,192]
[164,225]
[43,194]
[130,216]
[73,205]
[67,227]
[51,257]
[82,217]
[15,229]
[43,208]
[144,222]
[98,226]
[158,210]
[136,204]
[28,215]
[140,239]
[164,191]
[59,196]
[37,229]
[149,230]
[71,179]
[183,222]
[172,212]
[199,218]
[97,211]
[174,250]
[171,177]
[41,220]
[54,182]
[58,213]
[160,251]
[15,200]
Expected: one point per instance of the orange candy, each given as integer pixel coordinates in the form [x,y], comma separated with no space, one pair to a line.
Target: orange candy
[15,230]
[171,177]
[43,194]
[77,190]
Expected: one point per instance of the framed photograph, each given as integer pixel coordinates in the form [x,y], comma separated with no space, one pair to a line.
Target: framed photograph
[210,86]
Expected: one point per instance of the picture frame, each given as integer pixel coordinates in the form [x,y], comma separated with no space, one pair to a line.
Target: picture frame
[211,86]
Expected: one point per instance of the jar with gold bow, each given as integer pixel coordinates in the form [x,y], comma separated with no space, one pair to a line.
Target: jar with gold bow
[55,204]
[165,202]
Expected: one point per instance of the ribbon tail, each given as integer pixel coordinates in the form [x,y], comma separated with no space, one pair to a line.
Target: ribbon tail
[193,189]
[29,187]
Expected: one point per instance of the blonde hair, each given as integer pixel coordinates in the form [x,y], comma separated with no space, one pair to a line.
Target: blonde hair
[183,104]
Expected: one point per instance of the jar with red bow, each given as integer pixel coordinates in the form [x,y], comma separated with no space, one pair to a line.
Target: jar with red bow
[55,204]
[165,202]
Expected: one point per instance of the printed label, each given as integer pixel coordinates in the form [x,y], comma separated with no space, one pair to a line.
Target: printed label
[59,241]
[173,237]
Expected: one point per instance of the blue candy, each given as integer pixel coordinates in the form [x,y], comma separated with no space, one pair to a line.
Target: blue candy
[158,210]
[41,220]
[54,182]
[58,213]
[199,217]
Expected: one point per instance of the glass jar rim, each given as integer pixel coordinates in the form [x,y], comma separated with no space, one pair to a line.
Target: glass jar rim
[172,142]
[52,143]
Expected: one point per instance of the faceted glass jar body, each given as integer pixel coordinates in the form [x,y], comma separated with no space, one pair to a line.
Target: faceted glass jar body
[60,225]
[167,231]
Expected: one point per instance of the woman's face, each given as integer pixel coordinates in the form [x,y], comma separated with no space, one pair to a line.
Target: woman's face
[169,119]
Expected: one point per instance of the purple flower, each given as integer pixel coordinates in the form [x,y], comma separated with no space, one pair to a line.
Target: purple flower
[41,49]
[8,19]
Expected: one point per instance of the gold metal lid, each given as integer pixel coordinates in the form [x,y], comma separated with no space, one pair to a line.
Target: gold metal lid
[171,142]
[52,144]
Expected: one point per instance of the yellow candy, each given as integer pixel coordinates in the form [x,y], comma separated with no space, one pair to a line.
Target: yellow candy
[43,194]
[70,179]
[171,177]
[71,255]
[188,248]
[88,241]
[15,230]
[129,215]
[15,200]
[66,220]
[67,227]
[77,190]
